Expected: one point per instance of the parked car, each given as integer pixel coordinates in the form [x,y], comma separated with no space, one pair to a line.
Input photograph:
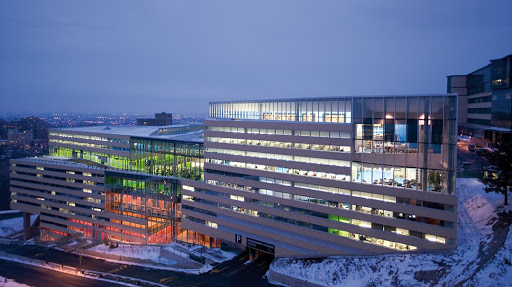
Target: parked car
[471,147]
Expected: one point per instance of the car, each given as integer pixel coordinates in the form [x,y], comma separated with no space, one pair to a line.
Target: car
[480,151]
[471,147]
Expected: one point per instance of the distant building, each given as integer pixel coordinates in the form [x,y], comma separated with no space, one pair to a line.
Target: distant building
[4,126]
[161,119]
[20,139]
[37,126]
[485,100]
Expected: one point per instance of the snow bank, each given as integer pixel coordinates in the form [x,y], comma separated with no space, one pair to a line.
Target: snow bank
[476,212]
[145,252]
[156,254]
[4,282]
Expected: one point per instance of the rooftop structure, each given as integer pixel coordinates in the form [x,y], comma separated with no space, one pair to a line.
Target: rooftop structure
[161,119]
[170,132]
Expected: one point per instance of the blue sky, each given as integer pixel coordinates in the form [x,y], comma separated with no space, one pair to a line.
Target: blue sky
[176,56]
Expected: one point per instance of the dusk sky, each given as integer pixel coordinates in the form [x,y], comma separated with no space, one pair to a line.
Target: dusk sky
[176,56]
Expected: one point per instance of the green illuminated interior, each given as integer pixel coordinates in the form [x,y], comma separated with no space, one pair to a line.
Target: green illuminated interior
[150,156]
[337,231]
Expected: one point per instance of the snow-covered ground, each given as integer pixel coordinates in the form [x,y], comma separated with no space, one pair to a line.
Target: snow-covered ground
[157,253]
[12,225]
[471,264]
[4,282]
[145,252]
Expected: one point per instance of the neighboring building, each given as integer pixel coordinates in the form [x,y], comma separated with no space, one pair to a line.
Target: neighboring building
[296,177]
[161,119]
[325,176]
[485,100]
[37,126]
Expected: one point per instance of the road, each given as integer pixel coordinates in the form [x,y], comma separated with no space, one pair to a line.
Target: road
[464,155]
[38,276]
[230,273]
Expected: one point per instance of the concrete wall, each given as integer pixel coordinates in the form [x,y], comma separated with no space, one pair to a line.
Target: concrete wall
[280,278]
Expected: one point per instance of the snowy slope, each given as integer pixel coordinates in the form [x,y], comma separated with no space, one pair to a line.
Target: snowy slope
[147,252]
[481,257]
[12,225]
[154,252]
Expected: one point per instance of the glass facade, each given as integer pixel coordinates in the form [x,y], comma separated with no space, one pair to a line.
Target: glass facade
[500,73]
[152,198]
[416,137]
[502,109]
[325,110]
[167,158]
[146,155]
[479,81]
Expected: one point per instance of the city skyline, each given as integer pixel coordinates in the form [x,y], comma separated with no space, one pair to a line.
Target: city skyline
[177,57]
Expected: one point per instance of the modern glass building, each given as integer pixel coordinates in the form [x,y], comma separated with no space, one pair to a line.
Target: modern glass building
[351,175]
[120,183]
[485,102]
[291,177]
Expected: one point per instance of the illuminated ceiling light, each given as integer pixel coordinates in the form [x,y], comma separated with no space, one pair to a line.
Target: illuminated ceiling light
[422,120]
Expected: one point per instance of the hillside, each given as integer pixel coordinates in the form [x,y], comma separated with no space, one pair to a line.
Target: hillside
[482,257]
